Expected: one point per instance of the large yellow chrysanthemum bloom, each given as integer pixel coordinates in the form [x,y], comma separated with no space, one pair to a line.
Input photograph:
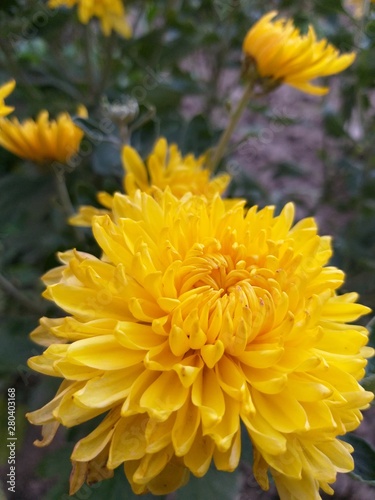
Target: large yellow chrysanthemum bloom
[281,54]
[111,14]
[42,140]
[5,90]
[164,167]
[198,317]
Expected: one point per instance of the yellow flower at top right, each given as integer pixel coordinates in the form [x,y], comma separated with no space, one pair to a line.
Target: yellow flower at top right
[282,54]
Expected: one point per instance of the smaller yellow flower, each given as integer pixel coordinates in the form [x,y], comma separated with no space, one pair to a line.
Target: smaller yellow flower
[5,90]
[282,55]
[167,167]
[42,140]
[164,167]
[111,14]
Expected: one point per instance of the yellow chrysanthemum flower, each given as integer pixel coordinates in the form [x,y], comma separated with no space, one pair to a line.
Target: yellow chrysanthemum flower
[42,140]
[197,318]
[281,54]
[5,90]
[111,14]
[165,167]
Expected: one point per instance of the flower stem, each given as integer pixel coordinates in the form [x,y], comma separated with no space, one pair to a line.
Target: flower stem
[88,43]
[13,292]
[16,69]
[63,194]
[107,63]
[66,203]
[233,122]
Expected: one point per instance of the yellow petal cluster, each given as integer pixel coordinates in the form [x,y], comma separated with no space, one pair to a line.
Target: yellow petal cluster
[282,55]
[42,140]
[5,90]
[200,316]
[164,167]
[111,14]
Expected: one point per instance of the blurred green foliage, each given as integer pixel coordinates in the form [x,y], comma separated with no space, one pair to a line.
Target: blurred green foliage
[182,66]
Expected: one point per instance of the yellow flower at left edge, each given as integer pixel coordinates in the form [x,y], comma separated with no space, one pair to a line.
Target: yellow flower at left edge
[165,167]
[111,14]
[201,318]
[5,90]
[42,140]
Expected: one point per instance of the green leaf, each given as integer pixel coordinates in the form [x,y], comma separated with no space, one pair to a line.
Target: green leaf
[91,128]
[144,138]
[370,29]
[198,136]
[243,185]
[15,344]
[284,169]
[364,459]
[333,125]
[328,6]
[370,368]
[106,160]
[115,488]
[23,192]
[57,466]
[368,383]
[215,484]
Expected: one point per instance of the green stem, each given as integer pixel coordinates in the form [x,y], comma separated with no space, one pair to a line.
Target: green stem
[16,69]
[220,149]
[106,68]
[12,291]
[90,67]
[63,194]
[66,203]
[137,20]
[361,28]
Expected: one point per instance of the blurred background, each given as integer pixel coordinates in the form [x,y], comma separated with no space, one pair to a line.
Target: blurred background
[182,67]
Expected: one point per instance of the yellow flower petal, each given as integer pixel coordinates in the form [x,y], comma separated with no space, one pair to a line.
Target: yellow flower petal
[103,353]
[185,428]
[229,459]
[199,317]
[164,396]
[282,410]
[199,456]
[128,441]
[281,54]
[173,476]
[108,388]
[111,14]
[152,465]
[208,396]
[90,446]
[5,90]
[158,434]
[42,141]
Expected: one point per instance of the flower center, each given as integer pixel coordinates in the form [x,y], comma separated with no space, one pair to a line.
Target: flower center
[222,273]
[226,304]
